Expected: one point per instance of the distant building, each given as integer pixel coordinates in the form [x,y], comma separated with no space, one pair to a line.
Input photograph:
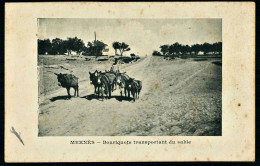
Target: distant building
[72,53]
[200,53]
[106,50]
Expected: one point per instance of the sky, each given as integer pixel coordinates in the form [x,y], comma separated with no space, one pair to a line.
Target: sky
[142,35]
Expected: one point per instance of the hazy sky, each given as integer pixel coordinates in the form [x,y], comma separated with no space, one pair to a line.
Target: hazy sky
[142,35]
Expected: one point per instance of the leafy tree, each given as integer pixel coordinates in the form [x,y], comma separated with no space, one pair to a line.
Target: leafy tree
[196,48]
[164,49]
[94,48]
[187,49]
[78,45]
[206,47]
[44,46]
[177,47]
[74,44]
[99,46]
[116,46]
[172,50]
[123,47]
[58,46]
[156,53]
[217,47]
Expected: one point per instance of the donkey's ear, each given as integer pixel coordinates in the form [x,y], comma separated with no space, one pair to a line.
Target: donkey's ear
[124,72]
[89,72]
[56,74]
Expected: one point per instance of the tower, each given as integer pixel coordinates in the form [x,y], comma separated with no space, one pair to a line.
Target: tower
[95,36]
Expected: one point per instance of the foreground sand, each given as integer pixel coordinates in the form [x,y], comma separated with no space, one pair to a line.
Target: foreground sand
[179,97]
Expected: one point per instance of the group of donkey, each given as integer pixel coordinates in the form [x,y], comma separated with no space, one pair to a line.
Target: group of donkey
[108,81]
[104,83]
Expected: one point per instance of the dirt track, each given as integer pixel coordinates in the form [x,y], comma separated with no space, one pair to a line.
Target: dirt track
[180,97]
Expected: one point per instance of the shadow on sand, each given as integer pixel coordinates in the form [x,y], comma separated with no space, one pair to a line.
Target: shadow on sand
[59,98]
[200,59]
[217,63]
[118,98]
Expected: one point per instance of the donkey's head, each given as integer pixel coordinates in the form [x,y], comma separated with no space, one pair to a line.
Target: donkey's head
[63,79]
[118,78]
[99,74]
[129,82]
[93,77]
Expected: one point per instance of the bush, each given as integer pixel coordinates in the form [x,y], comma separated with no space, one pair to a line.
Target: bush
[132,55]
[156,53]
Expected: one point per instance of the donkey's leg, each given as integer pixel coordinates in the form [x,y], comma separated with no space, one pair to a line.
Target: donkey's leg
[102,92]
[78,91]
[99,91]
[128,93]
[114,84]
[75,89]
[120,91]
[110,89]
[68,91]
[133,93]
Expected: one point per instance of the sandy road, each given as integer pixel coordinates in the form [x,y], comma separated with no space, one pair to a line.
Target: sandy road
[175,94]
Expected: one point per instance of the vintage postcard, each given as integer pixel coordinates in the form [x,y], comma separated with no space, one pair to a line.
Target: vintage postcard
[90,81]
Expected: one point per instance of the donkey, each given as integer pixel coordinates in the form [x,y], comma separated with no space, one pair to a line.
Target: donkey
[67,81]
[137,87]
[106,81]
[93,77]
[134,86]
[121,81]
[112,78]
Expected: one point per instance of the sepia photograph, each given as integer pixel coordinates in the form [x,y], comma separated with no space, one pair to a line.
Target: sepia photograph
[129,82]
[129,77]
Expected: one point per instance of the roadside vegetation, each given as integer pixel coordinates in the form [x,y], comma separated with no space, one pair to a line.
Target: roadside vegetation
[185,51]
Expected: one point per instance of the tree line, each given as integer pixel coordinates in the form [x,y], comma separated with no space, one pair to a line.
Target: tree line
[179,50]
[58,46]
